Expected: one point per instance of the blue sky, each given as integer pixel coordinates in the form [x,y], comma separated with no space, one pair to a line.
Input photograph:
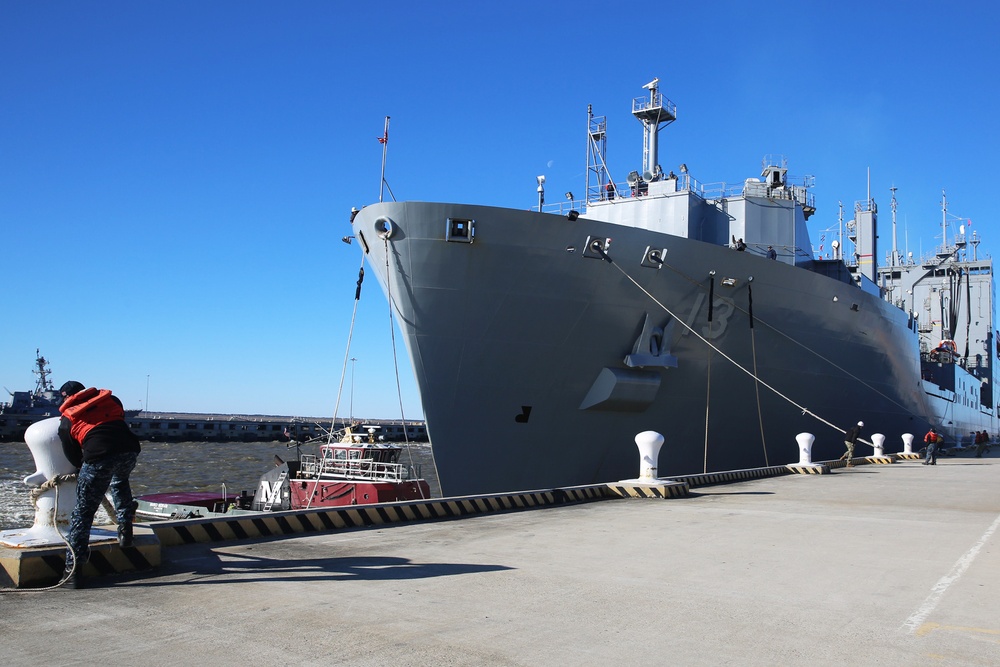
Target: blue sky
[175,177]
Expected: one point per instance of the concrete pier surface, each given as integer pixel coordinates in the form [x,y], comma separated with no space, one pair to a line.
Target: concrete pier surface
[874,565]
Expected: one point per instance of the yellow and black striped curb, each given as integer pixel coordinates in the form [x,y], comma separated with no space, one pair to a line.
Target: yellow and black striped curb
[728,477]
[659,489]
[880,460]
[43,566]
[908,457]
[814,469]
[841,463]
[255,526]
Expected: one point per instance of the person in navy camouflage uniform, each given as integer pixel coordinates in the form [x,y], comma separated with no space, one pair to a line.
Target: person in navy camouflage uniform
[97,440]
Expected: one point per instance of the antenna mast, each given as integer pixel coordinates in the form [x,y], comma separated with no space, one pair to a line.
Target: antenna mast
[895,251]
[384,140]
[600,185]
[42,371]
[944,222]
[654,113]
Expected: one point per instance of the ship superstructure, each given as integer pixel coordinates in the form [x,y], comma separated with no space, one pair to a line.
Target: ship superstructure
[949,297]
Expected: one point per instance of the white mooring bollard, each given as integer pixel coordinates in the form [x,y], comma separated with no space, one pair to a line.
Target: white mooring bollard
[805,441]
[649,443]
[647,484]
[878,441]
[907,443]
[52,508]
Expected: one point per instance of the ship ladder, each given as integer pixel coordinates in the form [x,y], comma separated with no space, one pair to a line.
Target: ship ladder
[276,492]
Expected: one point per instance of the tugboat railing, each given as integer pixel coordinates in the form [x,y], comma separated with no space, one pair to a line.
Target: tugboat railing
[352,469]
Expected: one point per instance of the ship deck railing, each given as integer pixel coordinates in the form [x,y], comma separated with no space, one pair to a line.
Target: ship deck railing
[367,470]
[751,187]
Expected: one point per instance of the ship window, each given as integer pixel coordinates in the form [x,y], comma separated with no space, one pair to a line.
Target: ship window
[154,424]
[276,427]
[460,230]
[173,425]
[262,427]
[191,427]
[208,427]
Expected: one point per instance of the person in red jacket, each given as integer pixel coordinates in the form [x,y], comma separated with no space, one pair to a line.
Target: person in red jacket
[97,440]
[932,439]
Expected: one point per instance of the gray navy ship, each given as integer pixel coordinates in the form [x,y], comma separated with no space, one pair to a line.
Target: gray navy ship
[27,407]
[543,340]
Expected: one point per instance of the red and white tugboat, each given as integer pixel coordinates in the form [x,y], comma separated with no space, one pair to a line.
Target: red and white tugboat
[344,473]
[358,470]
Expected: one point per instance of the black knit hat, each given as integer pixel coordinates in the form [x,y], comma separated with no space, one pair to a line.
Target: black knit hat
[71,387]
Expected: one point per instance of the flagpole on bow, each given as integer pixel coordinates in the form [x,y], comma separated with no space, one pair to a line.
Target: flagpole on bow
[384,140]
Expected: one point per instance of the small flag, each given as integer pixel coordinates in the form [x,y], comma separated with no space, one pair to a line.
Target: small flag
[384,139]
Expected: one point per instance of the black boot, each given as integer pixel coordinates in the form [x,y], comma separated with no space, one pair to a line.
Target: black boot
[125,538]
[73,577]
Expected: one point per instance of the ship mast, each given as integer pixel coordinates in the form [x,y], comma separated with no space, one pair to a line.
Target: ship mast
[599,182]
[42,371]
[654,113]
[895,251]
[839,254]
[944,222]
[865,237]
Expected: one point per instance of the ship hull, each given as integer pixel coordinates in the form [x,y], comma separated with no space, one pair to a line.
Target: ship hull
[539,359]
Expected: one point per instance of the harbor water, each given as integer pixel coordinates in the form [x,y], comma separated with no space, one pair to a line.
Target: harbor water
[180,466]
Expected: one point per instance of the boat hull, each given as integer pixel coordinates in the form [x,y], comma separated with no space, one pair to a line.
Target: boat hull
[538,359]
[308,493]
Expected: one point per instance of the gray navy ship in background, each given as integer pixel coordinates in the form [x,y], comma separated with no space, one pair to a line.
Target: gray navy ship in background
[543,340]
[27,407]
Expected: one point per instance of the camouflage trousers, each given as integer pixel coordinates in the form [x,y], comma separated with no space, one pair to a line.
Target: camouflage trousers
[849,454]
[92,482]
